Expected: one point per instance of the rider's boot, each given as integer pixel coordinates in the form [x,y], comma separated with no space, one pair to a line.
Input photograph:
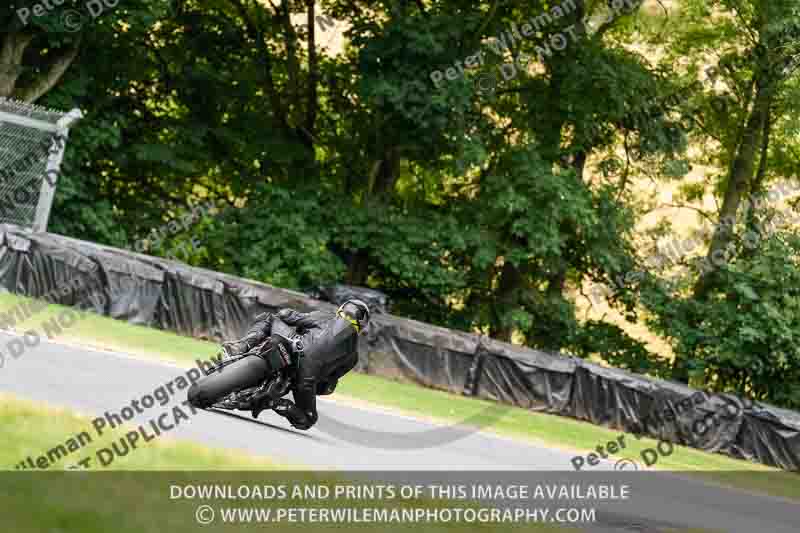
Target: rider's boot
[294,414]
[270,390]
[257,334]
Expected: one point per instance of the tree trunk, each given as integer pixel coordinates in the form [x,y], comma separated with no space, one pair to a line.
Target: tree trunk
[313,67]
[506,299]
[382,180]
[388,172]
[358,269]
[758,183]
[739,183]
[14,46]
[553,339]
[12,52]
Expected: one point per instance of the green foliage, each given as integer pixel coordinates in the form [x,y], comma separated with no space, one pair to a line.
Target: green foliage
[414,255]
[748,339]
[483,212]
[279,238]
[618,349]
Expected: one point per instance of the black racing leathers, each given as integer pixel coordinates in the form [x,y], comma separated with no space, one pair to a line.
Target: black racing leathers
[330,350]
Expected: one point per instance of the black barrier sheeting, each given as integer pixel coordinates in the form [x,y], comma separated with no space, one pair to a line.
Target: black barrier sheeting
[527,378]
[204,304]
[769,435]
[338,294]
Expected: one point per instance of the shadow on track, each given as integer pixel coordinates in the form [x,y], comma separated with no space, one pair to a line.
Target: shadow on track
[267,424]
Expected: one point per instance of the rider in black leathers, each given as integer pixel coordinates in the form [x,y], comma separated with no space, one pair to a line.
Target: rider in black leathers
[326,351]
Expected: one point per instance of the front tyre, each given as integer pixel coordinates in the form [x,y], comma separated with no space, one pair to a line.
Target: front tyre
[248,372]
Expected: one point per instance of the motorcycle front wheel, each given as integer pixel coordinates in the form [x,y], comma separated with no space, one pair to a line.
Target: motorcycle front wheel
[248,372]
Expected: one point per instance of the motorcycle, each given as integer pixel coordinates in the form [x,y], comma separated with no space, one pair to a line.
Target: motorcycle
[238,383]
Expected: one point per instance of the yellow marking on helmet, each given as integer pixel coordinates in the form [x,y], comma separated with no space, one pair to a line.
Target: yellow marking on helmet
[352,321]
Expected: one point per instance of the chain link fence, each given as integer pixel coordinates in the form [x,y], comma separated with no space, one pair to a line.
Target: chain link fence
[32,142]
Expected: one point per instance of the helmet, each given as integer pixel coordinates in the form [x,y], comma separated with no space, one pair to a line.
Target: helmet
[356,312]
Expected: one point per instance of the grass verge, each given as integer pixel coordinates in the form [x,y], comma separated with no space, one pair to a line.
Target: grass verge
[123,501]
[29,428]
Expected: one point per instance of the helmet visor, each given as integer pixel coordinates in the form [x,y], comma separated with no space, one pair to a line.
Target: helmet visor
[355,310]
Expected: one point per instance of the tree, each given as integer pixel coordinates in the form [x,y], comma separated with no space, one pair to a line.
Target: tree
[34,55]
[760,42]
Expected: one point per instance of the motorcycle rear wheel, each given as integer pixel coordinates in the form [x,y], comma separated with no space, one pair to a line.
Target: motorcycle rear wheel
[248,372]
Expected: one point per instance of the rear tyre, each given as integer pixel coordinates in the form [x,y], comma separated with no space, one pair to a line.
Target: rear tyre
[248,372]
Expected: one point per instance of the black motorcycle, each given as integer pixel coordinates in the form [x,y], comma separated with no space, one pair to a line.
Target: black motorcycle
[239,383]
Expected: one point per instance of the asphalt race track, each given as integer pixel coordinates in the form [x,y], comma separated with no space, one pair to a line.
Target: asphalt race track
[354,438]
